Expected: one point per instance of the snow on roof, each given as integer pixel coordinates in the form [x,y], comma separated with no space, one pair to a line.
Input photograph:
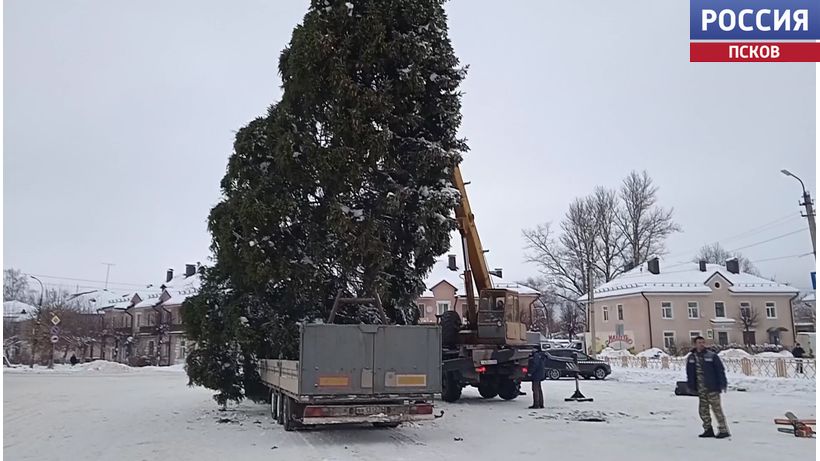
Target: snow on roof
[686,278]
[809,297]
[101,299]
[15,309]
[181,288]
[441,273]
[148,299]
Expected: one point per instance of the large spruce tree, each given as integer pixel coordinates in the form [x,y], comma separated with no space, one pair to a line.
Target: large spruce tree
[345,184]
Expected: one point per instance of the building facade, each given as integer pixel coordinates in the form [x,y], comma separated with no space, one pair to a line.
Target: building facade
[648,307]
[146,328]
[446,291]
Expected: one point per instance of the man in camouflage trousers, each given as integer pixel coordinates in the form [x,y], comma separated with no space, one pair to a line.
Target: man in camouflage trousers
[706,375]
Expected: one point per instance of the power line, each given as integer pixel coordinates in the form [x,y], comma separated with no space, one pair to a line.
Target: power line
[782,257]
[143,285]
[768,240]
[749,232]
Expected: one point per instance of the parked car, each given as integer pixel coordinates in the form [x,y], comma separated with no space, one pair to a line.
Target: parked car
[587,366]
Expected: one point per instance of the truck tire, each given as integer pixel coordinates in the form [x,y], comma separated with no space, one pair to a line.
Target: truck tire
[288,422]
[508,389]
[280,408]
[274,405]
[450,388]
[450,325]
[488,388]
[386,425]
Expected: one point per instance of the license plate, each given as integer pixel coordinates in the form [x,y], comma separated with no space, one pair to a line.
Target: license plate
[369,410]
[489,362]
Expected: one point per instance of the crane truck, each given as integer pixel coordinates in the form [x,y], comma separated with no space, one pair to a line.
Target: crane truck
[490,350]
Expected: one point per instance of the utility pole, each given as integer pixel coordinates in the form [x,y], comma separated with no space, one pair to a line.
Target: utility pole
[591,309]
[35,329]
[107,272]
[809,206]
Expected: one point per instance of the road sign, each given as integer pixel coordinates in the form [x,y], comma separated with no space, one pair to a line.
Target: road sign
[54,339]
[55,320]
[55,330]
[814,280]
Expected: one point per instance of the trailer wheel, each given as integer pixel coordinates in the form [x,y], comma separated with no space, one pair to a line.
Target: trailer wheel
[488,389]
[508,389]
[273,405]
[450,325]
[386,425]
[288,415]
[450,388]
[280,408]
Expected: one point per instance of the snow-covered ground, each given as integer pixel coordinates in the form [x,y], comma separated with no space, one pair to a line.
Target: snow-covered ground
[106,411]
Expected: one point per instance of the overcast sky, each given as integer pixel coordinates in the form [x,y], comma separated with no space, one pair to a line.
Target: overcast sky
[119,119]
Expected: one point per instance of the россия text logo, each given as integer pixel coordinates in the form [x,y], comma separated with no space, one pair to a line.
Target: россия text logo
[754,30]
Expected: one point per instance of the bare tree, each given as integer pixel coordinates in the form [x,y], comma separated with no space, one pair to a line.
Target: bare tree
[715,254]
[804,312]
[566,260]
[543,319]
[15,286]
[644,224]
[748,318]
[570,319]
[610,242]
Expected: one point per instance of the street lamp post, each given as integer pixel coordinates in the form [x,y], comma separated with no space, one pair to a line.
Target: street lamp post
[35,329]
[807,203]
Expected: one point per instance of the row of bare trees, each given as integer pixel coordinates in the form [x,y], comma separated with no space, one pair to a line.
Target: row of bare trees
[600,236]
[27,334]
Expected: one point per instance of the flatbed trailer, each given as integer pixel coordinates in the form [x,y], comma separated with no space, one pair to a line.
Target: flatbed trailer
[379,374]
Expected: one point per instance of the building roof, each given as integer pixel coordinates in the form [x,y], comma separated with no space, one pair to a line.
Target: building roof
[441,273]
[14,310]
[685,278]
[181,288]
[809,297]
[101,299]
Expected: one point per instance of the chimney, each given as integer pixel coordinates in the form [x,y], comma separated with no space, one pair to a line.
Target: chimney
[733,266]
[169,275]
[498,272]
[702,265]
[451,263]
[654,265]
[628,266]
[190,270]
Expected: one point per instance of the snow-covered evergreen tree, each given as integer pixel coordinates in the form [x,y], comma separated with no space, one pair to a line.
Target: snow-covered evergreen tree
[344,184]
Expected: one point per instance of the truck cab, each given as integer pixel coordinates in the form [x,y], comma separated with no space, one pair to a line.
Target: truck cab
[499,318]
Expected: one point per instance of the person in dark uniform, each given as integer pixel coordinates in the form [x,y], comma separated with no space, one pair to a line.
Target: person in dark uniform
[798,354]
[538,371]
[705,375]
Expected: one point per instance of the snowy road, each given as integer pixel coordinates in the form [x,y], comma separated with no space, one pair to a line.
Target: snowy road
[151,414]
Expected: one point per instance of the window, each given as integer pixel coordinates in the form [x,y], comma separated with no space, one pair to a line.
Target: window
[771,311]
[605,310]
[150,348]
[182,349]
[443,306]
[139,320]
[745,310]
[620,311]
[421,310]
[694,310]
[669,339]
[464,308]
[694,334]
[666,310]
[723,338]
[717,284]
[720,309]
[710,334]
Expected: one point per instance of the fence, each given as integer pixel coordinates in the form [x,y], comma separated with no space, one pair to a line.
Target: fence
[753,366]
